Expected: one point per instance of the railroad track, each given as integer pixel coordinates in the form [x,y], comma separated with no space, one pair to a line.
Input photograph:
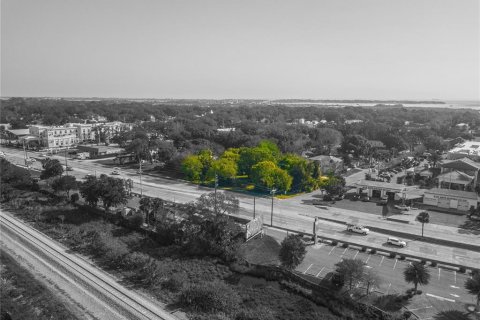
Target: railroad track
[133,305]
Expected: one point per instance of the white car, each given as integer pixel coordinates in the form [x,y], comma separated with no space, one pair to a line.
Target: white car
[402,207]
[31,159]
[115,173]
[396,242]
[357,228]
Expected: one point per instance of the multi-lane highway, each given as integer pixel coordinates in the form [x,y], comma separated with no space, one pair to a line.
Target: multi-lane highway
[96,292]
[290,214]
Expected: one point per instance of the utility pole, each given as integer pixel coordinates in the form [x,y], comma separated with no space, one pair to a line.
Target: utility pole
[141,188]
[216,185]
[66,164]
[273,195]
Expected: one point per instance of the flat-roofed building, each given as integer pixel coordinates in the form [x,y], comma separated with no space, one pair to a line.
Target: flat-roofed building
[55,137]
[450,199]
[468,149]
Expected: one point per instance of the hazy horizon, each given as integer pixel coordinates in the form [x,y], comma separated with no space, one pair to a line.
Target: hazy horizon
[323,50]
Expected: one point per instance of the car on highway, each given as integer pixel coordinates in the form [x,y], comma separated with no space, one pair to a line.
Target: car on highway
[88,175]
[384,200]
[2,154]
[139,171]
[402,207]
[68,168]
[31,160]
[357,229]
[115,173]
[396,242]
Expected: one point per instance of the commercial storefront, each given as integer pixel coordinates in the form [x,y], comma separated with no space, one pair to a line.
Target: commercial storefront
[451,199]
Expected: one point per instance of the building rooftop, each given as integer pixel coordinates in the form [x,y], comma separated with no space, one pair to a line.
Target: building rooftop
[19,132]
[468,148]
[461,164]
[324,158]
[455,177]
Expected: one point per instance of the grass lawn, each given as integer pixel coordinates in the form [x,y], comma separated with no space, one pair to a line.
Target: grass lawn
[261,251]
[23,297]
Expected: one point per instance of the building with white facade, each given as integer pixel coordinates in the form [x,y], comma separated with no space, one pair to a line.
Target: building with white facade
[55,137]
[468,149]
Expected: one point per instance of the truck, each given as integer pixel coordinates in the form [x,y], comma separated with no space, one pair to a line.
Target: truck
[357,229]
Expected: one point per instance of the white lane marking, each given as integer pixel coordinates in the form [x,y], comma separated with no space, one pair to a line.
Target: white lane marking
[454,287]
[333,248]
[454,295]
[366,261]
[440,298]
[439,273]
[307,268]
[355,255]
[320,272]
[455,276]
[369,267]
[396,260]
[389,285]
[383,257]
[344,251]
[421,309]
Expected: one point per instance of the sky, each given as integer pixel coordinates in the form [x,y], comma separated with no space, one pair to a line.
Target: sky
[252,49]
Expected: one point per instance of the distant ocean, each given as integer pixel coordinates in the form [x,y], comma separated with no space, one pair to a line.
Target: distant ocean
[458,104]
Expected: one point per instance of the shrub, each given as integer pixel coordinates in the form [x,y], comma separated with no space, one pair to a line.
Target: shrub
[402,257]
[433,263]
[363,249]
[135,260]
[135,221]
[175,282]
[334,243]
[373,251]
[462,270]
[259,313]
[392,255]
[74,197]
[424,262]
[213,296]
[345,245]
[407,314]
[292,251]
[115,251]
[419,292]
[152,273]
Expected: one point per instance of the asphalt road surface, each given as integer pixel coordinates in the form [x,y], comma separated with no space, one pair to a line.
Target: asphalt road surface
[287,213]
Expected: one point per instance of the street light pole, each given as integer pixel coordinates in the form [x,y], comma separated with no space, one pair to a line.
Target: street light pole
[141,188]
[216,185]
[273,195]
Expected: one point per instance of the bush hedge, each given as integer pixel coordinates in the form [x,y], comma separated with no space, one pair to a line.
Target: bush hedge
[213,296]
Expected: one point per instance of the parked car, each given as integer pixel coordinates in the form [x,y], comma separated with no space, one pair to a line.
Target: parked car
[357,228]
[402,207]
[396,242]
[365,198]
[356,197]
[384,200]
[339,197]
[115,173]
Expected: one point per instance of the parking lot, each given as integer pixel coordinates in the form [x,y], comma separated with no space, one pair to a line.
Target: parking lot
[444,292]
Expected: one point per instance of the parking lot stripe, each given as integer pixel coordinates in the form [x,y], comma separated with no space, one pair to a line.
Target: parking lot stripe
[366,261]
[427,307]
[383,257]
[440,298]
[355,255]
[455,276]
[307,268]
[320,272]
[396,260]
[439,273]
[333,248]
[344,251]
[389,285]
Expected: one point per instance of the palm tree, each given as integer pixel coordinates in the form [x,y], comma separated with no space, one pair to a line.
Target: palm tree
[416,273]
[473,287]
[423,217]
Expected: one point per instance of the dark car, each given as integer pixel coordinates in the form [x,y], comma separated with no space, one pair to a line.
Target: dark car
[365,198]
[327,197]
[355,197]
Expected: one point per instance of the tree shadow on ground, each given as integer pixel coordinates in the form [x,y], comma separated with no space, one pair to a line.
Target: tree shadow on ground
[470,227]
[451,315]
[391,302]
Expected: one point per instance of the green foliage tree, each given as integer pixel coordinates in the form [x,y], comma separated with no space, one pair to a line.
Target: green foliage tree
[351,270]
[51,168]
[249,157]
[64,183]
[225,168]
[192,168]
[417,273]
[153,208]
[423,217]
[292,251]
[267,174]
[473,287]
